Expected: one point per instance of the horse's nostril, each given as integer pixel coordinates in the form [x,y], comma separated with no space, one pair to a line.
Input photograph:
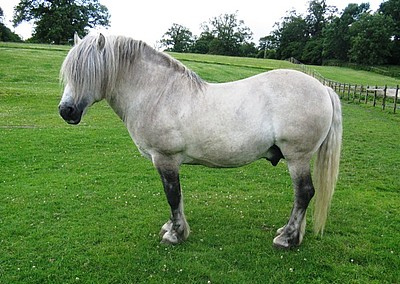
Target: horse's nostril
[70,109]
[70,113]
[67,111]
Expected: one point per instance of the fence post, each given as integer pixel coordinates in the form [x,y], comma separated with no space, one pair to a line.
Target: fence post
[337,87]
[384,98]
[344,90]
[395,99]
[348,93]
[354,93]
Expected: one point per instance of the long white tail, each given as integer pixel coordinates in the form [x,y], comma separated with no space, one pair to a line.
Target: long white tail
[326,168]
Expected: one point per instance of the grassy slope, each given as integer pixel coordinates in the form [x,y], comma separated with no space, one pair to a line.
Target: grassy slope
[79,204]
[359,77]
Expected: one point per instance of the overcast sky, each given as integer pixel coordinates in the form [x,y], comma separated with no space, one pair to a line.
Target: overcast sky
[149,20]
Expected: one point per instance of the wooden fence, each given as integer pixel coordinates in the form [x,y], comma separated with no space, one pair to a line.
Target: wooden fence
[386,97]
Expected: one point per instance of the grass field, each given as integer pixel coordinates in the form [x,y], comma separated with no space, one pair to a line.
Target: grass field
[78,204]
[352,76]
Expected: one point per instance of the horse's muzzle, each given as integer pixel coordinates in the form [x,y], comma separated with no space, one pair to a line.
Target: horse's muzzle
[70,113]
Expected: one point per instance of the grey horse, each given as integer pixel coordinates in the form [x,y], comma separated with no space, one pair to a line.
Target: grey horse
[175,118]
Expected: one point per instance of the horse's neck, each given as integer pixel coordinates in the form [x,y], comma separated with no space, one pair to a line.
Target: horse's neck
[145,83]
[155,74]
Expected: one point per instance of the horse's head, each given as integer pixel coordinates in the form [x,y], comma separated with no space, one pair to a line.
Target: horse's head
[82,74]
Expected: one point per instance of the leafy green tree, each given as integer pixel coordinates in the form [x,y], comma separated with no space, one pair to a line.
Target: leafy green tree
[391,8]
[228,32]
[291,35]
[55,21]
[202,43]
[318,16]
[371,39]
[178,39]
[336,35]
[267,47]
[5,33]
[319,13]
[312,52]
[248,49]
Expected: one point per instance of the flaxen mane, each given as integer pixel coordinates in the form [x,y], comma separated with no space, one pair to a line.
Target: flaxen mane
[88,66]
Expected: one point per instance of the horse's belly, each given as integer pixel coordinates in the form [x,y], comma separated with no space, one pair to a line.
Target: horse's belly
[229,136]
[227,153]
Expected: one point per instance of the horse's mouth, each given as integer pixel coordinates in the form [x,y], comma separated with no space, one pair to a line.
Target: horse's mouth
[74,122]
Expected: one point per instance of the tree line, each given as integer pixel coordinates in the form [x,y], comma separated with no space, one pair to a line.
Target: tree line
[321,36]
[224,35]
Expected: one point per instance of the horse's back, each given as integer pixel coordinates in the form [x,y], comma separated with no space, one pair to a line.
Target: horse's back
[285,98]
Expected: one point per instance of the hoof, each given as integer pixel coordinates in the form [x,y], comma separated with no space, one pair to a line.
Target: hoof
[167,227]
[281,243]
[280,231]
[172,236]
[285,241]
[170,239]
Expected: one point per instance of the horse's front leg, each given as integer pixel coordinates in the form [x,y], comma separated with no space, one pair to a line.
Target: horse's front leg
[176,230]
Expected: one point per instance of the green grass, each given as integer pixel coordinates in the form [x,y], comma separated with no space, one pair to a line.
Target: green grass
[352,76]
[233,61]
[78,204]
[217,68]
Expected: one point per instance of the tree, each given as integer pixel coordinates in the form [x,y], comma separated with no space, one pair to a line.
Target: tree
[55,21]
[267,47]
[248,49]
[319,14]
[371,39]
[228,33]
[5,33]
[337,39]
[178,39]
[291,36]
[312,52]
[202,44]
[391,9]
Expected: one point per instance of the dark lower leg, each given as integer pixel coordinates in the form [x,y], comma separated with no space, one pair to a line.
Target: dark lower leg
[177,229]
[292,233]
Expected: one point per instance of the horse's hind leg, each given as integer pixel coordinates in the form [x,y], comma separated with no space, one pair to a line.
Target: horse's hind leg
[176,230]
[292,233]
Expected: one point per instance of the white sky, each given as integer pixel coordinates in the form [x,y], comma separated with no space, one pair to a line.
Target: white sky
[149,20]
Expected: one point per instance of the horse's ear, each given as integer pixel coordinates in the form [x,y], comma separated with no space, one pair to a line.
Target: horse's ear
[77,39]
[101,41]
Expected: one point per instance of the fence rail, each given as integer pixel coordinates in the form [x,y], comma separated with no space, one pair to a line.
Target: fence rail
[386,97]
